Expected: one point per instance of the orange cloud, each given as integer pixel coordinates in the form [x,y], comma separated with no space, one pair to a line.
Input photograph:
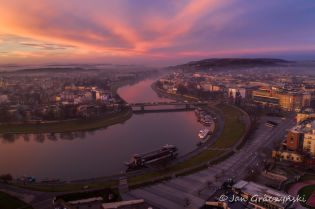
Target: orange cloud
[69,29]
[40,21]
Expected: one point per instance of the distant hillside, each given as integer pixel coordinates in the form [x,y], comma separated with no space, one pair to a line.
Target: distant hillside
[230,62]
[84,68]
[51,70]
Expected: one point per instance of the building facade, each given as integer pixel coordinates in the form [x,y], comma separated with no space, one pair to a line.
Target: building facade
[285,99]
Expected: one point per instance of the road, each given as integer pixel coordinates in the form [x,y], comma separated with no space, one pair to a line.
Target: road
[39,200]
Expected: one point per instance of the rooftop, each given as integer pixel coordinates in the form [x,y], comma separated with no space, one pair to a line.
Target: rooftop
[261,191]
[307,126]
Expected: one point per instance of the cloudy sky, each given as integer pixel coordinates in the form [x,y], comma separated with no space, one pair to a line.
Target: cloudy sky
[154,31]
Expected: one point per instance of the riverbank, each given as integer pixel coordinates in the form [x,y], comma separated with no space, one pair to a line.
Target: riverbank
[160,91]
[67,126]
[68,187]
[234,130]
[219,151]
[72,124]
[192,162]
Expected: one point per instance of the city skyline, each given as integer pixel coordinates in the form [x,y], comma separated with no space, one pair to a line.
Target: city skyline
[154,33]
[168,104]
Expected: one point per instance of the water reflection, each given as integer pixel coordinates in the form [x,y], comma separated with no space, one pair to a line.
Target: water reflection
[9,138]
[88,154]
[26,137]
[42,137]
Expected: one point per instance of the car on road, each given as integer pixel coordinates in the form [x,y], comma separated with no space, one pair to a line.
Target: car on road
[271,124]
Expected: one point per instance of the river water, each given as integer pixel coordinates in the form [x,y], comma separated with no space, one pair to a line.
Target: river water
[102,152]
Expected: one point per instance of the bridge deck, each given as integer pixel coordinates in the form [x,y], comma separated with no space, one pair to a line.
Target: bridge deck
[166,103]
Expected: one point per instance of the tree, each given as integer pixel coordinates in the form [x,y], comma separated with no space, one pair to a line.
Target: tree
[182,89]
[6,178]
[5,115]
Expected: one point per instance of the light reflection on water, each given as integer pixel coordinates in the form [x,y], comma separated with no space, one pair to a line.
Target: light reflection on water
[95,153]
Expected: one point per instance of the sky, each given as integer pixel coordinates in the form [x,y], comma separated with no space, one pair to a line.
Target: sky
[154,32]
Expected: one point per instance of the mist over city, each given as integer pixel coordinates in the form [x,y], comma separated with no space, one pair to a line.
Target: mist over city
[197,104]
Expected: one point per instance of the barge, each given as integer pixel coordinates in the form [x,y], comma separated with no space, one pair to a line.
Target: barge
[166,153]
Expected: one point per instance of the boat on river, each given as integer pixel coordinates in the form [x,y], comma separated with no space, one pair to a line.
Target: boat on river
[203,133]
[166,153]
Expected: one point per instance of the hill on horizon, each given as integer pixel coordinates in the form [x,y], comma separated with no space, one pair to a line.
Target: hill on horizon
[216,63]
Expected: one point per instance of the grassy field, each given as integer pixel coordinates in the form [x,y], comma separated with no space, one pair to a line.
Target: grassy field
[104,193]
[145,184]
[9,202]
[68,188]
[233,128]
[191,171]
[66,126]
[306,192]
[202,157]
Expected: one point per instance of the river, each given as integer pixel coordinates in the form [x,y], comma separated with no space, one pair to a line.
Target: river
[102,152]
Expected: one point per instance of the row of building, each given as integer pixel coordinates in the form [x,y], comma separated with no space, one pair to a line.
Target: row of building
[299,144]
[289,100]
[278,93]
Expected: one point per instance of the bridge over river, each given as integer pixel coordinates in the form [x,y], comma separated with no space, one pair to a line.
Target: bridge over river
[165,106]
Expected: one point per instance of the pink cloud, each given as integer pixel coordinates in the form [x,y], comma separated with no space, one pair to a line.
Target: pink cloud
[46,21]
[98,28]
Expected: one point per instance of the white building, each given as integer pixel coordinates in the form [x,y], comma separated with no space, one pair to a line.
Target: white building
[234,91]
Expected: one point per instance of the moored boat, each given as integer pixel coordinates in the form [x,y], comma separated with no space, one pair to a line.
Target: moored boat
[203,133]
[167,152]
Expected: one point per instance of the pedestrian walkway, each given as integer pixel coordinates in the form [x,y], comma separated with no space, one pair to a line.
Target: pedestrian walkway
[123,185]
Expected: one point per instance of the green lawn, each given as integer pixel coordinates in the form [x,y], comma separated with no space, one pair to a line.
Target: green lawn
[67,188]
[233,128]
[147,176]
[9,202]
[67,126]
[202,157]
[191,171]
[223,158]
[306,192]
[104,193]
